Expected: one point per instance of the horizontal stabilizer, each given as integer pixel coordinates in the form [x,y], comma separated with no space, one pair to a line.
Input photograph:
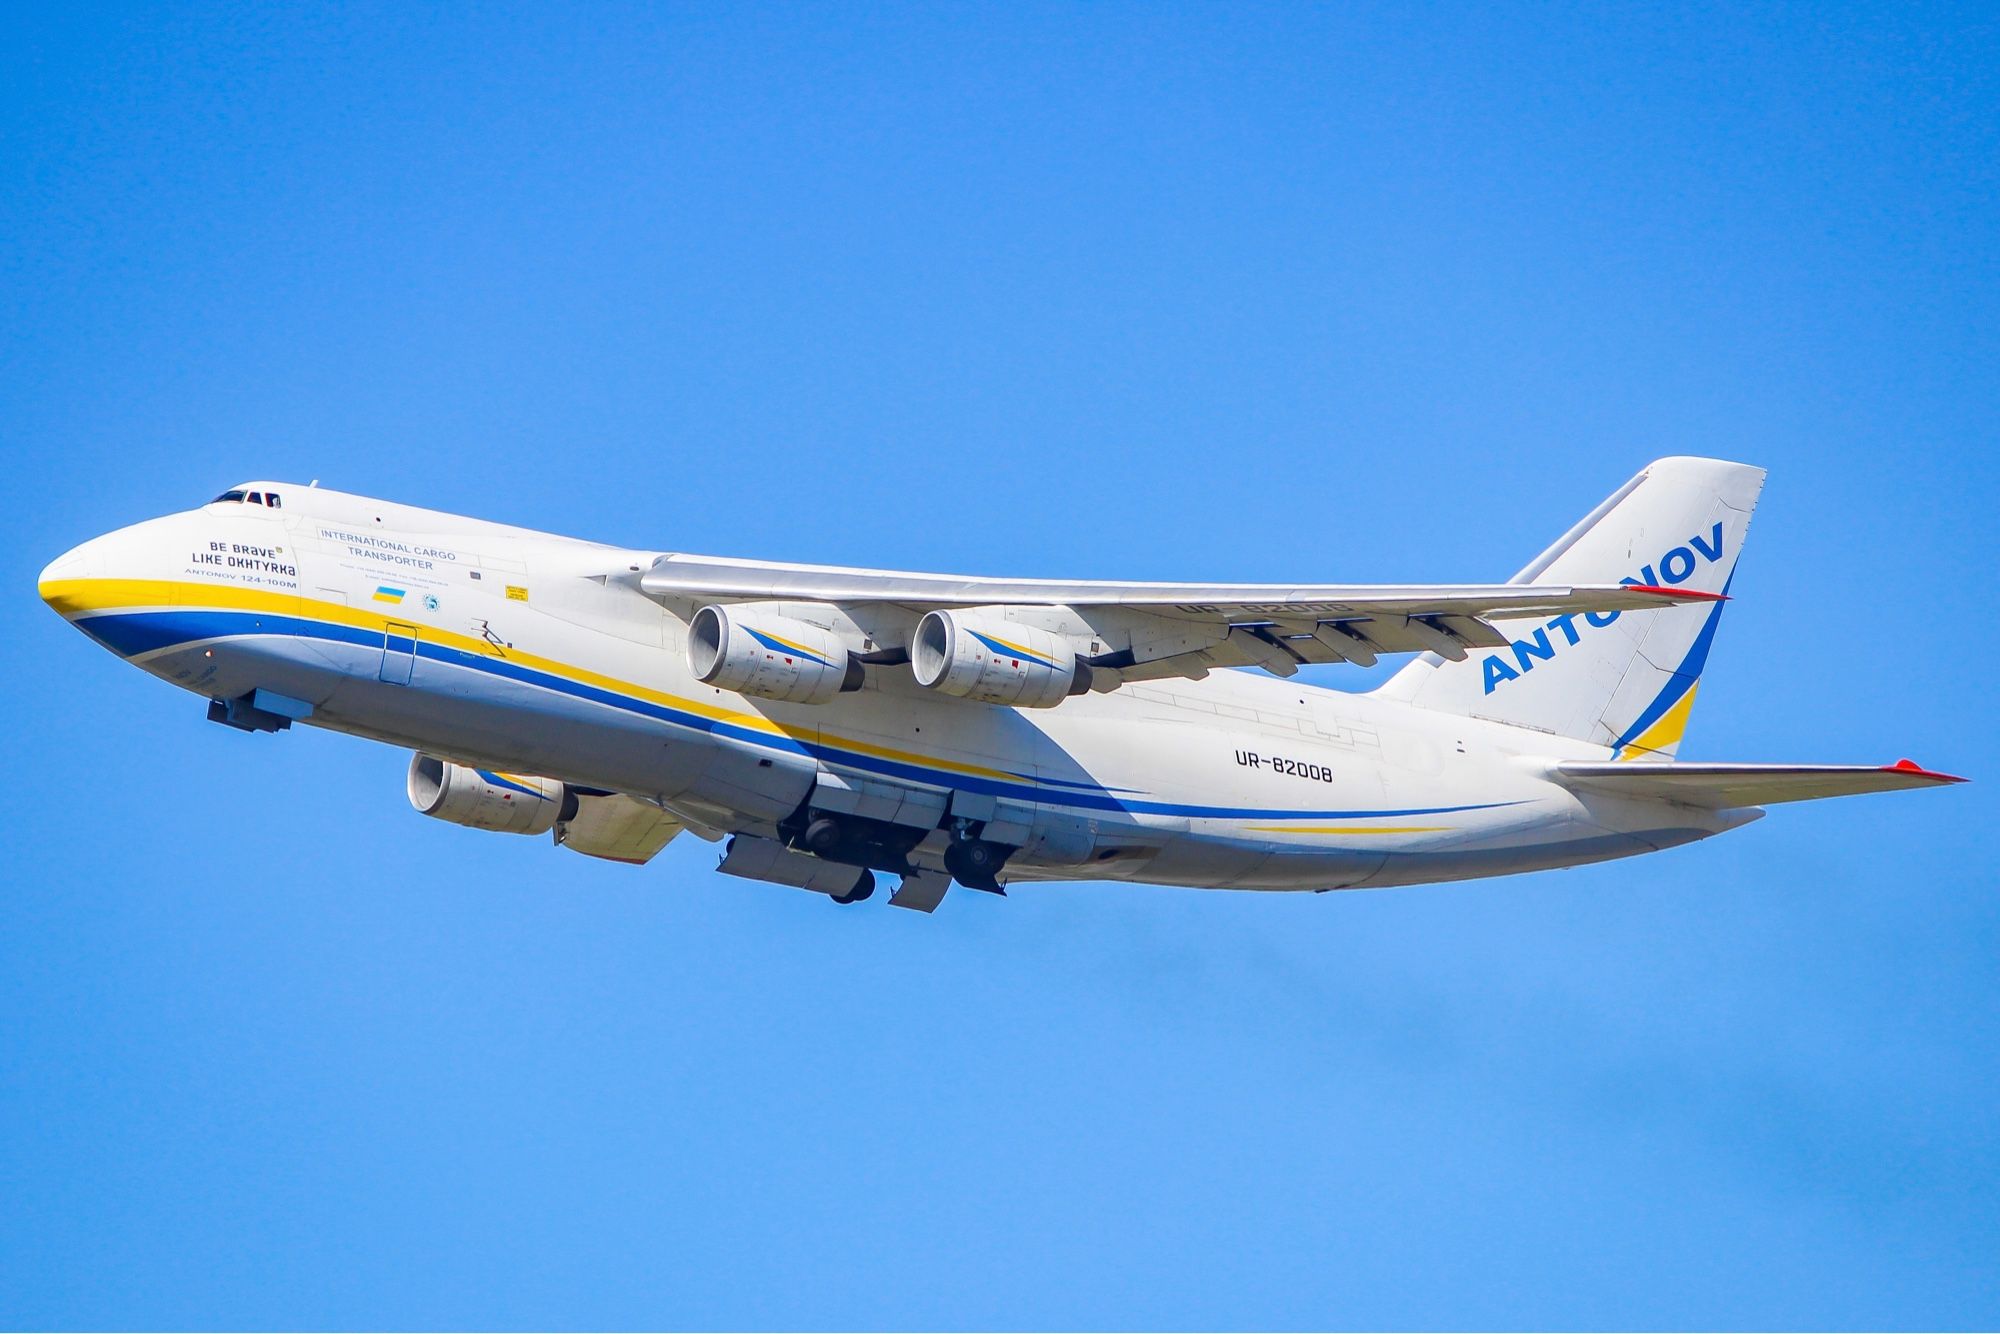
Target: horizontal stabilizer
[1727,786]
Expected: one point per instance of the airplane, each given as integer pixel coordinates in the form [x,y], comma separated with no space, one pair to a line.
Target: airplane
[823,724]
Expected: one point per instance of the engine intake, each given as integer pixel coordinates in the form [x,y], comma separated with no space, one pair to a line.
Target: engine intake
[995,661]
[483,798]
[773,657]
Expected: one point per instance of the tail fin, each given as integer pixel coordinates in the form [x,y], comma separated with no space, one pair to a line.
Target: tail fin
[1627,680]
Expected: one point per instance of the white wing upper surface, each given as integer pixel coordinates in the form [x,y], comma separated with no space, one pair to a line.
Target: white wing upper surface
[1147,630]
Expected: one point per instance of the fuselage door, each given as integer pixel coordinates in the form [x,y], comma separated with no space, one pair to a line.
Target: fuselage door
[399,653]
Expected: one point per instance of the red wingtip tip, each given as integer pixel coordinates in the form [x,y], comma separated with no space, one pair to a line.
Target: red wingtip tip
[1686,594]
[1909,766]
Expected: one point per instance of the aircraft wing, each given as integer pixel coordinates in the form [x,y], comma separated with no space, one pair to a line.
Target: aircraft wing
[1168,629]
[1727,786]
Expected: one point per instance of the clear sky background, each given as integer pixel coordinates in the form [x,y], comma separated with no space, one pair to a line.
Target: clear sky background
[1231,293]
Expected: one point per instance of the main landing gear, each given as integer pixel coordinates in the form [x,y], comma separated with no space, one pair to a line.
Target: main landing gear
[862,889]
[857,841]
[975,863]
[824,835]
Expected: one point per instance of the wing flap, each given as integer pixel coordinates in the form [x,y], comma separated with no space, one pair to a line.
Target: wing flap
[1728,786]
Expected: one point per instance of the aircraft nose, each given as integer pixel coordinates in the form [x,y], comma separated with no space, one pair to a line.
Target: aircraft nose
[61,577]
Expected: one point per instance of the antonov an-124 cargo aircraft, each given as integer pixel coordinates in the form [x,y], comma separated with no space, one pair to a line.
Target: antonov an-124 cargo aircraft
[824,725]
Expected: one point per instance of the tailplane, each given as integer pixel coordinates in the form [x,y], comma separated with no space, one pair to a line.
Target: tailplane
[1625,680]
[1732,786]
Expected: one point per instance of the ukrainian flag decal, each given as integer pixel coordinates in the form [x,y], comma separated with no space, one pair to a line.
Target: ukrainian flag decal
[384,593]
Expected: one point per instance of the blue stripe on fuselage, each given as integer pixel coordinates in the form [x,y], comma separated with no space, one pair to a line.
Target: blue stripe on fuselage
[135,632]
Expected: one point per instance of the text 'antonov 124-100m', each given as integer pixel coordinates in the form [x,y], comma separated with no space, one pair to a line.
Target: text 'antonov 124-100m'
[825,724]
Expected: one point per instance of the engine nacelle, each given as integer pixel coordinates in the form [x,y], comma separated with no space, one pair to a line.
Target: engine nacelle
[483,799]
[747,650]
[995,661]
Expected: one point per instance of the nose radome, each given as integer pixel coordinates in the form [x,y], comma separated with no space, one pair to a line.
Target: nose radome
[61,577]
[125,564]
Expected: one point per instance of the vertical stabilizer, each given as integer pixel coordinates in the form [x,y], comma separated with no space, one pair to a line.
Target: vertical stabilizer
[1624,680]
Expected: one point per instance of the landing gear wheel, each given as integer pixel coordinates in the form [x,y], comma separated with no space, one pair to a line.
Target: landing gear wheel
[862,889]
[974,862]
[822,835]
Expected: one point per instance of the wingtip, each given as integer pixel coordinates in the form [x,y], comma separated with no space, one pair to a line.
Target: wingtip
[1678,594]
[1911,767]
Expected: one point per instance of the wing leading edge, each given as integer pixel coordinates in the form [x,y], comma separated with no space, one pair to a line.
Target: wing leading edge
[701,577]
[1172,629]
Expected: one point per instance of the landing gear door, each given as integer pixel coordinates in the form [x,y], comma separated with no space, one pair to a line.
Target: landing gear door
[399,653]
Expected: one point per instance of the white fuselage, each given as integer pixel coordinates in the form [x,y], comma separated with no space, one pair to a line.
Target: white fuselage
[502,647]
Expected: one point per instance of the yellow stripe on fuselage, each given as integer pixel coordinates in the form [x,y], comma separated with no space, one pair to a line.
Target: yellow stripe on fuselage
[1349,829]
[77,597]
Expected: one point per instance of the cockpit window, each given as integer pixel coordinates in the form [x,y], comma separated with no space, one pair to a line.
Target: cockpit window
[269,499]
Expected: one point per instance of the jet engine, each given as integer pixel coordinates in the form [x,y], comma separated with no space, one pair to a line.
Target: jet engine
[482,798]
[995,661]
[596,823]
[745,649]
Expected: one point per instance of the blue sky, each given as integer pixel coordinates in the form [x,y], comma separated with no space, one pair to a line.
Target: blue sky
[1243,292]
